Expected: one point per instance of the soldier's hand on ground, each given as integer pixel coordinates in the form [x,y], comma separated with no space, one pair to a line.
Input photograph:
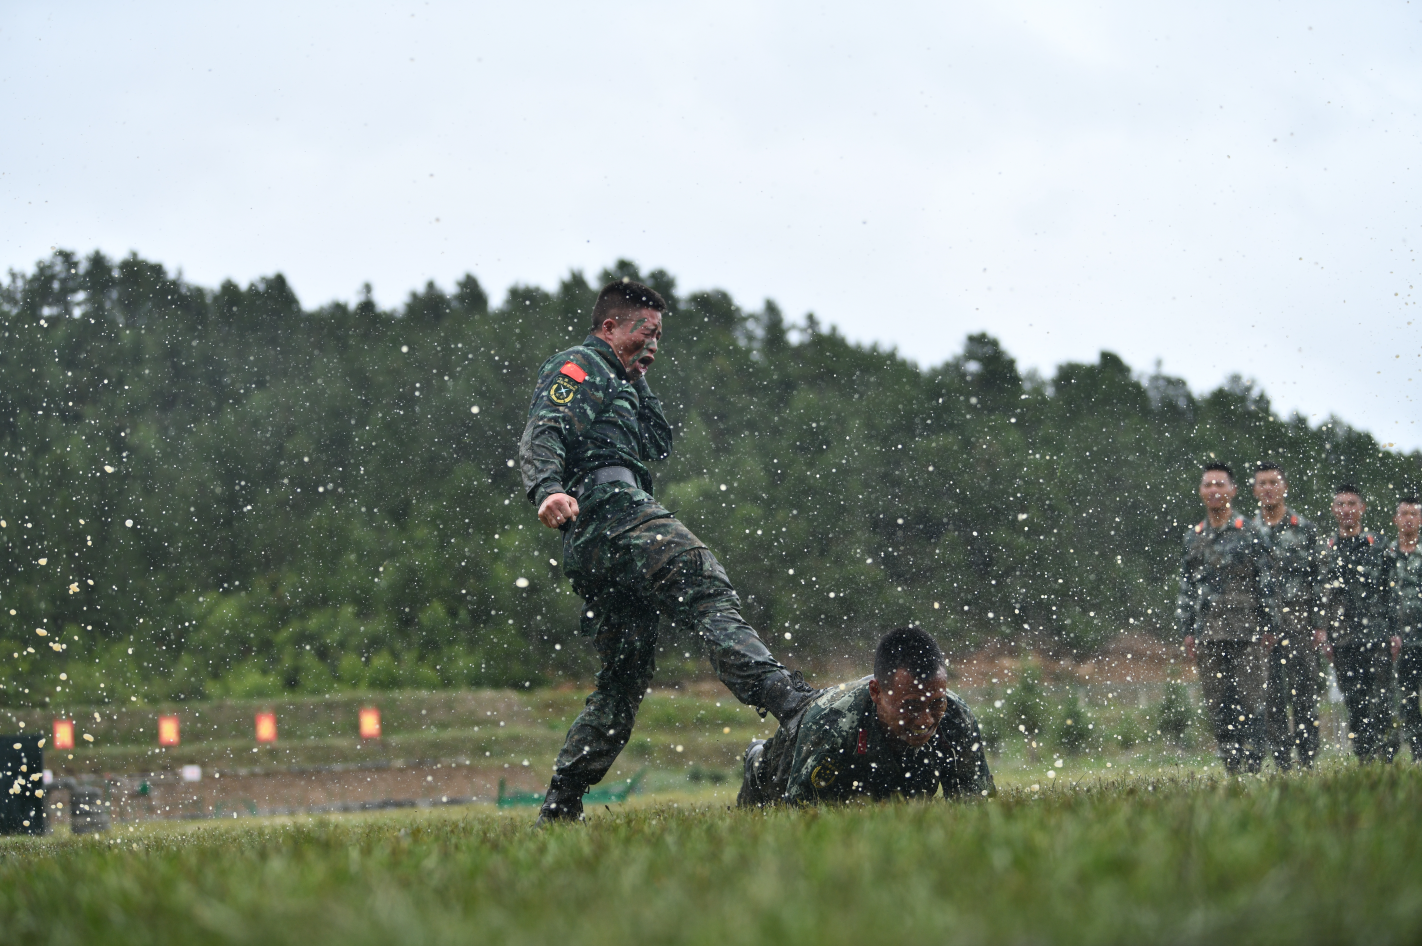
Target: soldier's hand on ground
[1268,640]
[1320,640]
[1190,646]
[1396,646]
[557,509]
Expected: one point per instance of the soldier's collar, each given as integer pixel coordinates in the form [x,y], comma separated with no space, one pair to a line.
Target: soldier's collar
[608,355]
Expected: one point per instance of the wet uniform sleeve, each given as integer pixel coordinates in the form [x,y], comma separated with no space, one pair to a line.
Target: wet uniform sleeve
[563,408]
[1329,590]
[1315,606]
[969,774]
[814,774]
[1189,594]
[656,432]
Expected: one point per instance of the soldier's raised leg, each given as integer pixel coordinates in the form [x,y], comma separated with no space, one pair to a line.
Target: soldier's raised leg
[671,567]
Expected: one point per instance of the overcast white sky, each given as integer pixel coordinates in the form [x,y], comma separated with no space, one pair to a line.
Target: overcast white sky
[1225,187]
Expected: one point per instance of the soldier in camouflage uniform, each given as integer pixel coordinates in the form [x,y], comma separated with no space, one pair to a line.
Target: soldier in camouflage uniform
[899,733]
[1358,612]
[1293,663]
[1226,603]
[1406,565]
[593,426]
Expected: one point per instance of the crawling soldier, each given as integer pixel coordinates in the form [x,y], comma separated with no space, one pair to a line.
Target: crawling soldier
[899,732]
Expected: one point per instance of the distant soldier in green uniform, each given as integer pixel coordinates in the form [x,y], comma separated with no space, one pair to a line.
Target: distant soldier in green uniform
[1406,564]
[1358,613]
[593,427]
[899,733]
[1293,663]
[1228,620]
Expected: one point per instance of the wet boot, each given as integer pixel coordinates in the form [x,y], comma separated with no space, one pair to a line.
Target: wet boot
[785,694]
[564,802]
[751,792]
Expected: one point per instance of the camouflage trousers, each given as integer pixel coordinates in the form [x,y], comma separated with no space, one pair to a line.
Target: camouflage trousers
[1365,676]
[1294,684]
[1409,685]
[630,580]
[1233,677]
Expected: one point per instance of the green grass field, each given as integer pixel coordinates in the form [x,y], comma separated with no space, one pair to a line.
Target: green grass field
[1111,834]
[1330,857]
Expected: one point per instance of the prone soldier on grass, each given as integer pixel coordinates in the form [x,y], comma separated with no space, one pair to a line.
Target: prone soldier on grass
[593,427]
[900,732]
[1406,567]
[1228,619]
[1358,613]
[1293,663]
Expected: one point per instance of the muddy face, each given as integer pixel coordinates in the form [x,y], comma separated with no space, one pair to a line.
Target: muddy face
[635,340]
[910,710]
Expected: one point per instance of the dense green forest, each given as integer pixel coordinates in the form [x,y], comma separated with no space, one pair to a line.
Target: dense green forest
[219,492]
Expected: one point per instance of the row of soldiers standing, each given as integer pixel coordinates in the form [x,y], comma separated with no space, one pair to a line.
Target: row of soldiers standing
[1262,598]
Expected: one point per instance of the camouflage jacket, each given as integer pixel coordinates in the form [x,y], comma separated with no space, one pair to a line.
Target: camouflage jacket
[841,752]
[1226,583]
[1294,552]
[586,415]
[1355,597]
[1407,591]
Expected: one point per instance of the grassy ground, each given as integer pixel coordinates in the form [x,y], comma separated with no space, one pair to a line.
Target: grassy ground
[1334,856]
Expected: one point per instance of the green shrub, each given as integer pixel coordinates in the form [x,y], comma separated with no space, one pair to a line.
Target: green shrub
[1127,733]
[1175,713]
[1075,730]
[1026,707]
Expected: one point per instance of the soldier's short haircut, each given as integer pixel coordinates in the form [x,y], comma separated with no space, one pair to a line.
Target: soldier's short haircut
[1270,465]
[1224,468]
[907,648]
[1409,499]
[1347,488]
[620,299]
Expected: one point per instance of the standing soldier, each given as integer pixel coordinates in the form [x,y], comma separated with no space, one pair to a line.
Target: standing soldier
[593,426]
[1226,603]
[1293,663]
[1407,587]
[1357,607]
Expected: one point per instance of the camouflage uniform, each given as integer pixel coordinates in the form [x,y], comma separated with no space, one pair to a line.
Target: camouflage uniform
[627,556]
[1357,607]
[1293,665]
[1227,601]
[1406,579]
[837,750]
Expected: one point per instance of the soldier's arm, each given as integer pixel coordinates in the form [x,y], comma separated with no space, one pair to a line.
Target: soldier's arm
[815,773]
[1329,591]
[969,774]
[1315,611]
[656,432]
[1187,597]
[563,407]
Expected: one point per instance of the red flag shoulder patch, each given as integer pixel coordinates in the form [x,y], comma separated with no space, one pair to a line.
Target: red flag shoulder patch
[862,746]
[1293,520]
[1239,522]
[573,371]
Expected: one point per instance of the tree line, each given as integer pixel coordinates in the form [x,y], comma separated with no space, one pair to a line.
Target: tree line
[220,492]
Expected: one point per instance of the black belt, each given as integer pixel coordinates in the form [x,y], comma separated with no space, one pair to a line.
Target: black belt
[606,474]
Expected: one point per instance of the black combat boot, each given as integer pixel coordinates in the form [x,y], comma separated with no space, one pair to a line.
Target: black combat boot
[564,802]
[785,694]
